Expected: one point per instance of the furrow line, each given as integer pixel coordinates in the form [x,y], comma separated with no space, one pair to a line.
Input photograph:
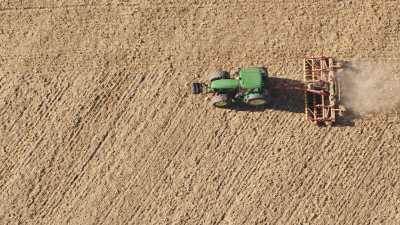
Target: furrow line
[123,113]
[70,182]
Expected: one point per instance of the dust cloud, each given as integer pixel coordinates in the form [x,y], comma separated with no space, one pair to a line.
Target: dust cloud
[370,87]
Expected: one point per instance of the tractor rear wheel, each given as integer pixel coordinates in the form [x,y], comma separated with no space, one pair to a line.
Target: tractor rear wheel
[257,100]
[218,75]
[220,100]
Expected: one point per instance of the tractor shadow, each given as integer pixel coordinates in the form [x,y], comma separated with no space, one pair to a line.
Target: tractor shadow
[281,100]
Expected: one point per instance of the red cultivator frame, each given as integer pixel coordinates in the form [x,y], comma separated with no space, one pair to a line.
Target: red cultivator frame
[321,90]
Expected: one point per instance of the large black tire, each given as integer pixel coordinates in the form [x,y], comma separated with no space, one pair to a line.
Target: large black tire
[217,75]
[267,86]
[257,100]
[196,88]
[220,101]
[265,72]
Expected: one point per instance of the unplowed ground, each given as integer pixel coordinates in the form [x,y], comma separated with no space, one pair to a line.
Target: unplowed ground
[98,125]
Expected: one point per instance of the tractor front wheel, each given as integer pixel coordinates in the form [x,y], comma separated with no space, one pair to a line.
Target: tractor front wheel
[220,100]
[218,75]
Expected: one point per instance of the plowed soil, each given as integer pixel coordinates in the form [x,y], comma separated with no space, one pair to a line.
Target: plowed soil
[98,125]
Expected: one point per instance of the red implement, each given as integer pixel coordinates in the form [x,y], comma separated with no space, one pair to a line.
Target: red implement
[321,89]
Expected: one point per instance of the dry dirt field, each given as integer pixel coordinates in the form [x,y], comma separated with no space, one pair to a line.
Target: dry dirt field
[98,125]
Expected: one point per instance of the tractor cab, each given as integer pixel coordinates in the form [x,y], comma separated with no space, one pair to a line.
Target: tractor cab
[251,79]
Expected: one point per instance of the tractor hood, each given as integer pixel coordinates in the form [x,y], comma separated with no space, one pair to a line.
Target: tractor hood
[224,84]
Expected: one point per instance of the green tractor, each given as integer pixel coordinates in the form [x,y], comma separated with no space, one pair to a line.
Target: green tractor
[249,87]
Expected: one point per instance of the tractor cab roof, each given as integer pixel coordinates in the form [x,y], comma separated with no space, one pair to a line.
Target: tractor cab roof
[251,78]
